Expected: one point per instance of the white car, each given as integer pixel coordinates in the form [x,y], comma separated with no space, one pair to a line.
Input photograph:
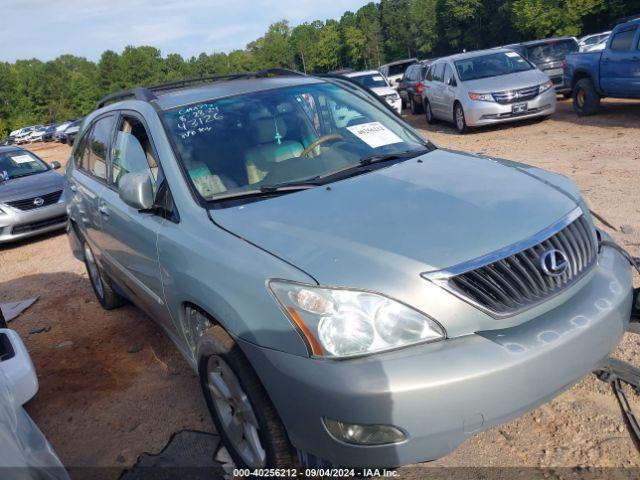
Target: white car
[23,447]
[394,71]
[598,47]
[36,134]
[586,43]
[374,80]
[23,135]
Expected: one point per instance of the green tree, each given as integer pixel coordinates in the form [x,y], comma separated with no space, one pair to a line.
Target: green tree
[328,51]
[543,18]
[273,49]
[396,29]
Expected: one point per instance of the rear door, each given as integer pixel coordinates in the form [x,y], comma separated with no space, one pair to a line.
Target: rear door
[450,85]
[437,91]
[89,179]
[620,64]
[130,236]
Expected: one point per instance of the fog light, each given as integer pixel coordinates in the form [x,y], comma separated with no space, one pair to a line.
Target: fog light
[364,434]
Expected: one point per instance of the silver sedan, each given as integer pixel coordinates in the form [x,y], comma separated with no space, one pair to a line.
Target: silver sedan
[31,195]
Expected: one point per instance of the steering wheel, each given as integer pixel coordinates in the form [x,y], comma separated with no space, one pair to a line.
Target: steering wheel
[319,141]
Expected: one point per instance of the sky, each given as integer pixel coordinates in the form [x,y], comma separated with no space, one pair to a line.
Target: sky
[45,29]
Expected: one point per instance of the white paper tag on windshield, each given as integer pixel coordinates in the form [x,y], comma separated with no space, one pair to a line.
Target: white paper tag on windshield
[374,134]
[512,54]
[378,78]
[18,159]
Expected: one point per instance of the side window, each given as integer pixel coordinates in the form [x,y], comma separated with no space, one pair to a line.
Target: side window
[423,72]
[429,75]
[132,151]
[621,41]
[438,72]
[98,150]
[81,155]
[448,74]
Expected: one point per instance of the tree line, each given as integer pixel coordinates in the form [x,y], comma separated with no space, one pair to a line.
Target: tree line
[32,91]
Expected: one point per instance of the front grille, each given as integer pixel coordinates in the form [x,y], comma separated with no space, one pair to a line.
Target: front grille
[517,282]
[513,96]
[31,203]
[30,227]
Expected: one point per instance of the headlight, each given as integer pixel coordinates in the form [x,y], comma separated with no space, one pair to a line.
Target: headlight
[545,86]
[391,97]
[338,322]
[481,97]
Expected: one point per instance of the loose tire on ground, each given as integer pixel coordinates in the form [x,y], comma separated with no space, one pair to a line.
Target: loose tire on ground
[586,100]
[217,353]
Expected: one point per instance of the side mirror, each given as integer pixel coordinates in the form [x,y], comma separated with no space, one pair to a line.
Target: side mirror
[56,165]
[452,82]
[135,189]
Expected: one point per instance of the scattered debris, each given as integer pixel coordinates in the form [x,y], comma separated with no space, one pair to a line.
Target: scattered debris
[627,229]
[11,310]
[134,349]
[66,343]
[616,372]
[188,454]
[36,330]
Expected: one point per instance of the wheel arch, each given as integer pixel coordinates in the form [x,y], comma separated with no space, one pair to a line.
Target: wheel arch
[580,74]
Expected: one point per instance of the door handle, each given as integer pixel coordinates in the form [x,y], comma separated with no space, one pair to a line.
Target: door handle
[73,188]
[104,210]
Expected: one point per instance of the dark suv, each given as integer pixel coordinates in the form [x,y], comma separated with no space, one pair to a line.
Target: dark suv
[548,55]
[410,87]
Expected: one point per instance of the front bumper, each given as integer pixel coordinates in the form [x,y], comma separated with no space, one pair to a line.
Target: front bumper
[17,224]
[441,393]
[488,113]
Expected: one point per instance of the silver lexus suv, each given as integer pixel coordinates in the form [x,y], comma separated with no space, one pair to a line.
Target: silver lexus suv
[348,293]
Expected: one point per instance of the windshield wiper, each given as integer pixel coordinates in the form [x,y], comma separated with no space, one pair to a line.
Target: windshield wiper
[379,158]
[266,190]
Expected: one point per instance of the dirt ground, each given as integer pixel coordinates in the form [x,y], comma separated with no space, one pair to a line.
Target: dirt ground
[112,386]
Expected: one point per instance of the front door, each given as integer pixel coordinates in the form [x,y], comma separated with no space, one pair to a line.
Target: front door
[130,236]
[620,64]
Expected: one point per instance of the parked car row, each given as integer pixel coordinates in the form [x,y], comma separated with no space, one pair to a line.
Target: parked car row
[64,132]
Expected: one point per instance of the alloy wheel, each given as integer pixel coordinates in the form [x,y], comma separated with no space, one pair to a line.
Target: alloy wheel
[235,412]
[459,118]
[581,98]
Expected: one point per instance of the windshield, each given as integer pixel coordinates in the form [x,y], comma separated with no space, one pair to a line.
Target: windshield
[20,163]
[553,50]
[492,65]
[285,135]
[371,80]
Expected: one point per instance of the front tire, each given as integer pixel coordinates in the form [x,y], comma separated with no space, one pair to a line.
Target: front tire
[244,416]
[428,113]
[586,100]
[459,119]
[102,285]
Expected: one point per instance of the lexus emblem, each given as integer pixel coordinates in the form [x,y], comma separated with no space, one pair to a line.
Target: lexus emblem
[38,202]
[554,262]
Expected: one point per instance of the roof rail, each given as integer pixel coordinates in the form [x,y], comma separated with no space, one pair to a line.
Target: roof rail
[147,93]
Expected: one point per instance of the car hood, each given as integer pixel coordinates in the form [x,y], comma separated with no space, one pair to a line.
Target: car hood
[402,220]
[382,91]
[506,82]
[31,186]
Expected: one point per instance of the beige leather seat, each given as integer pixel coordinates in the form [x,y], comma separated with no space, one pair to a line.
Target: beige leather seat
[269,134]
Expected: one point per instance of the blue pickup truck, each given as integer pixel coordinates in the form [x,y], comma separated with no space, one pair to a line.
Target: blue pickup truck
[612,72]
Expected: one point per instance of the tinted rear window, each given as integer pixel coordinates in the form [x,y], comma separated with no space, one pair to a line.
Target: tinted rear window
[400,68]
[552,50]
